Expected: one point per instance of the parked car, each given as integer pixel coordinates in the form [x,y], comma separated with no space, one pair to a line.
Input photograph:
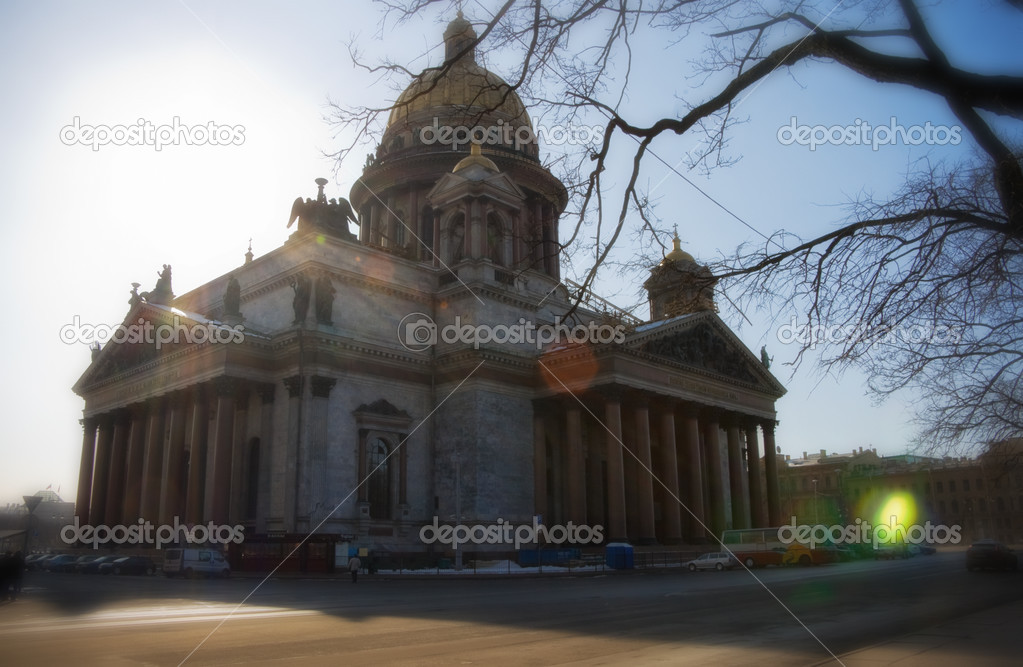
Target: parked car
[192,562]
[921,550]
[35,561]
[891,552]
[721,560]
[845,554]
[128,565]
[82,561]
[990,555]
[92,567]
[60,563]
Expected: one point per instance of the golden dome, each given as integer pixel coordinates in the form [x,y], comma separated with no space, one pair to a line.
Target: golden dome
[677,253]
[465,90]
[475,158]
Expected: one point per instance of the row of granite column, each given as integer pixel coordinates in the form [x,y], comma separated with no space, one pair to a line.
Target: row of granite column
[150,460]
[670,459]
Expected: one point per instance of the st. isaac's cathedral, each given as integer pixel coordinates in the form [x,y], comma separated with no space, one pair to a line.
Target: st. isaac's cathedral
[360,386]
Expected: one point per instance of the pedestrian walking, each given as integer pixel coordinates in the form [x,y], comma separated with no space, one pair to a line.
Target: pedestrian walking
[17,574]
[6,574]
[353,566]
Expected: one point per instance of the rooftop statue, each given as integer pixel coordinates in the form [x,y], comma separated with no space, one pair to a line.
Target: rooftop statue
[162,293]
[329,217]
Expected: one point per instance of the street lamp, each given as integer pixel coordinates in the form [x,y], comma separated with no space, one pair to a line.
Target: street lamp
[458,506]
[31,502]
[815,521]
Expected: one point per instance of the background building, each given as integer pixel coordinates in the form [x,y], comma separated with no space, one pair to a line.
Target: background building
[47,518]
[983,495]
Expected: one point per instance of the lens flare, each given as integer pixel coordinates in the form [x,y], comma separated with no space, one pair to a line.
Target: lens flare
[900,505]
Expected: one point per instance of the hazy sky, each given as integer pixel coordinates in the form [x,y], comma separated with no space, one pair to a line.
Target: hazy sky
[79,226]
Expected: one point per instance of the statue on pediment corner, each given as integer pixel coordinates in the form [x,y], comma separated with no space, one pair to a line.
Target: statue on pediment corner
[162,294]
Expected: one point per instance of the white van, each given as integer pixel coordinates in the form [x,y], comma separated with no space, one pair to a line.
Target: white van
[192,562]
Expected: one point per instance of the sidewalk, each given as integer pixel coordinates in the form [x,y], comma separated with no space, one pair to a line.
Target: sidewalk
[989,637]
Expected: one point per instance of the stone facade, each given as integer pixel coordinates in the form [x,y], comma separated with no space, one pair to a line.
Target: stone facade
[341,409]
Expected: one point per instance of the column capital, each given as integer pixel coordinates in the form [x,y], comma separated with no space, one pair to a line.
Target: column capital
[639,401]
[546,406]
[690,410]
[122,416]
[664,403]
[105,421]
[712,414]
[137,410]
[768,426]
[569,403]
[612,392]
[294,386]
[321,386]
[267,391]
[199,393]
[88,423]
[225,386]
[178,399]
[731,420]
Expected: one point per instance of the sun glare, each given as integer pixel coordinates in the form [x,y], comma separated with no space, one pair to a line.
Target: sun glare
[900,505]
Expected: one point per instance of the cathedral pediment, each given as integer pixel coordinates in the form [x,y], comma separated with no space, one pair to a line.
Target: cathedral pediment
[702,342]
[150,332]
[454,186]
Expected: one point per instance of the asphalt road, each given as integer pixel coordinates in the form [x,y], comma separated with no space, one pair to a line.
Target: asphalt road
[780,616]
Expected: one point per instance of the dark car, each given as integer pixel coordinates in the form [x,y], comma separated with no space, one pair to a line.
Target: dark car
[81,562]
[891,552]
[60,563]
[990,555]
[36,561]
[128,565]
[92,567]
